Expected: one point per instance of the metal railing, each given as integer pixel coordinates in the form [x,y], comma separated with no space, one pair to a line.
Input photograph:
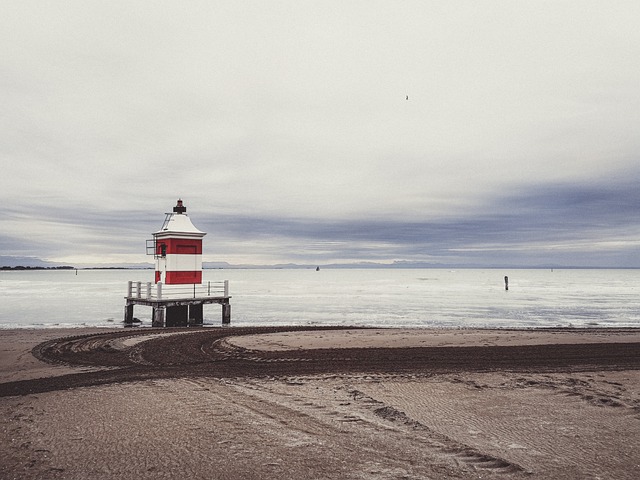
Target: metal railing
[160,291]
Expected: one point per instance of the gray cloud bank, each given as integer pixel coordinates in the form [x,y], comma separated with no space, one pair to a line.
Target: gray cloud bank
[546,225]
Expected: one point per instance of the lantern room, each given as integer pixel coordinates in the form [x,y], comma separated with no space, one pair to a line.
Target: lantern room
[177,248]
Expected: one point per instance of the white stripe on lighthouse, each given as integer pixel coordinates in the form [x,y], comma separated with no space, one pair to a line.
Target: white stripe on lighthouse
[183,263]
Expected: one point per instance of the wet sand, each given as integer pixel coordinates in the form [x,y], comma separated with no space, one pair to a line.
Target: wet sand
[350,403]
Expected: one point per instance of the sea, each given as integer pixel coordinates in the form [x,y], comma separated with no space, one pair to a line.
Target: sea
[384,297]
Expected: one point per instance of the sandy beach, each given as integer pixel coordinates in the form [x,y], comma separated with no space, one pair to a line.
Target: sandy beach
[242,403]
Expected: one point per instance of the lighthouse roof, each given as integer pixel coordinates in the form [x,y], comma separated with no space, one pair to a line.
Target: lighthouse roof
[179,223]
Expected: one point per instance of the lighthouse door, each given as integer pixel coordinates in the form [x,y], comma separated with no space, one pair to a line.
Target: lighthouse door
[161,269]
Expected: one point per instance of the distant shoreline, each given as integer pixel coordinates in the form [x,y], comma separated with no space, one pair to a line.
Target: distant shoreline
[381,266]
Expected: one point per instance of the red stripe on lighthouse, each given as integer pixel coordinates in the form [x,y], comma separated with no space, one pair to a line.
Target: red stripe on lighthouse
[179,246]
[184,277]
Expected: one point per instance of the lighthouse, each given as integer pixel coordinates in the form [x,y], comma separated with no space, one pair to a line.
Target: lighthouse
[179,294]
[178,249]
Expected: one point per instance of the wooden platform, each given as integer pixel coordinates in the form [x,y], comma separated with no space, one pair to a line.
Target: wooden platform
[171,305]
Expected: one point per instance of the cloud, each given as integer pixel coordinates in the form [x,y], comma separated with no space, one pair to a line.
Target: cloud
[286,127]
[542,224]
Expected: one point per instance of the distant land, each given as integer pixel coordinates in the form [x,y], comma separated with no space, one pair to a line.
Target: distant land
[22,267]
[34,263]
[10,261]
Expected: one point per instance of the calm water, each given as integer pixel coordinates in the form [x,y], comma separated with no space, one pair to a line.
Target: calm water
[373,297]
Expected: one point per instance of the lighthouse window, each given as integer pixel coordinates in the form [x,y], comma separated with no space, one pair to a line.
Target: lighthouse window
[163,250]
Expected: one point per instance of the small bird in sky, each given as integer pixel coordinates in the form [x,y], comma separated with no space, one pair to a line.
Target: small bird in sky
[407,97]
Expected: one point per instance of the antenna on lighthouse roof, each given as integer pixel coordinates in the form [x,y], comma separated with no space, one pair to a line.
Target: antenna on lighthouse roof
[179,208]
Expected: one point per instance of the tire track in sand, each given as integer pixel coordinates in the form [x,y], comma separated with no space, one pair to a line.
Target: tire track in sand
[523,422]
[332,404]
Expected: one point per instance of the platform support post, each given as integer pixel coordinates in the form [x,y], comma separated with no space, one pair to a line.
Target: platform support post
[226,314]
[158,317]
[196,316]
[128,313]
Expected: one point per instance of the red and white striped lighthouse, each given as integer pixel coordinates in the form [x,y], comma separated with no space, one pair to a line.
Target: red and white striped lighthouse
[178,249]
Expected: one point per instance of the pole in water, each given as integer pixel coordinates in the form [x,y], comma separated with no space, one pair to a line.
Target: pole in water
[506,282]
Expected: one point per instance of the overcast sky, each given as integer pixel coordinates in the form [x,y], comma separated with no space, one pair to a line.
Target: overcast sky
[286,129]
